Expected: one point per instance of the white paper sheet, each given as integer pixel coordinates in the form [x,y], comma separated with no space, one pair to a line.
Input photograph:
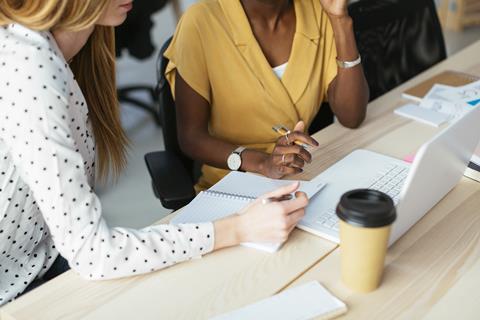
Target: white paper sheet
[304,302]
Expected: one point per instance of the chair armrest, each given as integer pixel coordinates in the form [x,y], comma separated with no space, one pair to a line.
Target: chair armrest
[171,182]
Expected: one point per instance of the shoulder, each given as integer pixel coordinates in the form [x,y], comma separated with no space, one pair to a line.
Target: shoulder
[203,9]
[201,14]
[37,82]
[196,27]
[21,42]
[32,59]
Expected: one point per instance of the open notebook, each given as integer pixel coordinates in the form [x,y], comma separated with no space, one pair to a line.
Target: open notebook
[232,193]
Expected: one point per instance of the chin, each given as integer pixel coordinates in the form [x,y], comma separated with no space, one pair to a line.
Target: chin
[119,20]
[114,21]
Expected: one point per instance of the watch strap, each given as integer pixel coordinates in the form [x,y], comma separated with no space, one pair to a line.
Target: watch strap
[239,150]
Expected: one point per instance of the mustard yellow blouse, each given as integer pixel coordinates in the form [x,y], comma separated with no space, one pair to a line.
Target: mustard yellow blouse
[217,54]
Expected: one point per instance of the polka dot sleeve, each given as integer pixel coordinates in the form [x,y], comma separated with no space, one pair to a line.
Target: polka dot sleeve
[41,125]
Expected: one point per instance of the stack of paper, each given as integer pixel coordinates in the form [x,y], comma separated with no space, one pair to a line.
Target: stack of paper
[469,94]
[445,104]
[447,77]
[466,97]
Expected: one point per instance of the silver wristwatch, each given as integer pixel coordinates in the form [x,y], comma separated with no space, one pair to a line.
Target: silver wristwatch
[234,160]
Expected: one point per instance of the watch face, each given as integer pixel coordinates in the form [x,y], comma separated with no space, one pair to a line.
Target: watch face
[234,161]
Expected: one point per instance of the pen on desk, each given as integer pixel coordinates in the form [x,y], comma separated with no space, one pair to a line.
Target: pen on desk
[285,197]
[285,132]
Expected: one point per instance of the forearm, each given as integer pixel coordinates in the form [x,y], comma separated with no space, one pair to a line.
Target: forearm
[348,94]
[214,152]
[227,232]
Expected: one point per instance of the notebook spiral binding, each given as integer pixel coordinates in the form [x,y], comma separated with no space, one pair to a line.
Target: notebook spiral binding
[227,195]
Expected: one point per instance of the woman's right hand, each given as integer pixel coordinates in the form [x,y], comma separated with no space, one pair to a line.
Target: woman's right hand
[273,221]
[288,158]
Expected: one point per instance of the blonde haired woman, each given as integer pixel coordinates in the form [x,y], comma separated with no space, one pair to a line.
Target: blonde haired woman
[57,99]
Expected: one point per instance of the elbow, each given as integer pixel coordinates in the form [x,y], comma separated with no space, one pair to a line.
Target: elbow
[354,121]
[351,112]
[187,145]
[77,265]
[92,275]
[89,276]
[351,124]
[360,112]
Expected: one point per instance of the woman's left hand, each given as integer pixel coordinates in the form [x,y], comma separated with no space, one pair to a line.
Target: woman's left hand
[335,8]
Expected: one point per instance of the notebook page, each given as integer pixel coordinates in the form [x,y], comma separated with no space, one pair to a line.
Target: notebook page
[208,207]
[252,185]
[307,301]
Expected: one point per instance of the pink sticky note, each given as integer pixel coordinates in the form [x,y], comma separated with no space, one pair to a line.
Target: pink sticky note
[409,158]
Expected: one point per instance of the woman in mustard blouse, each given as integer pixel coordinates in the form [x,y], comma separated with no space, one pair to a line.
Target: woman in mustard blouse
[239,67]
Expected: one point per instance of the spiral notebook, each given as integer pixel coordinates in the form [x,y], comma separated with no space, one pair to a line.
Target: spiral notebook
[231,194]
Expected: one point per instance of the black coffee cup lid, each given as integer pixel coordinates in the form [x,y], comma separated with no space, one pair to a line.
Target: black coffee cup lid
[366,208]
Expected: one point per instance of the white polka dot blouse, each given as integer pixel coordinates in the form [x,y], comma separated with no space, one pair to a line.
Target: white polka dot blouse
[47,154]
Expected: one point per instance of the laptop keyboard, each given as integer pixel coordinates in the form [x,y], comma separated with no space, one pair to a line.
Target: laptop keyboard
[389,180]
[328,219]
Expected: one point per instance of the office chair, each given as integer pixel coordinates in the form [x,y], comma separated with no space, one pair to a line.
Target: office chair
[134,35]
[397,39]
[173,173]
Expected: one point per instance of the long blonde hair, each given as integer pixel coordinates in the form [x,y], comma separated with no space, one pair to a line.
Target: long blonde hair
[93,66]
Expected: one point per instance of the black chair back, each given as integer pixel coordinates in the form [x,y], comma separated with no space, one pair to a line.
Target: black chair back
[172,172]
[167,112]
[397,40]
[134,33]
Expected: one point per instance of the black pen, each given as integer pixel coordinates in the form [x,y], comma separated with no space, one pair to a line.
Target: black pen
[285,197]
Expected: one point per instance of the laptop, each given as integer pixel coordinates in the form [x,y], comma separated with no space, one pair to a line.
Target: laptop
[415,188]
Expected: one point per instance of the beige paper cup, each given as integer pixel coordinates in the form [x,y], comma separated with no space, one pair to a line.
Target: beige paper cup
[365,217]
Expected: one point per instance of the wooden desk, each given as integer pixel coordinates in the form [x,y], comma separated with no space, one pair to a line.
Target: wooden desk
[429,270]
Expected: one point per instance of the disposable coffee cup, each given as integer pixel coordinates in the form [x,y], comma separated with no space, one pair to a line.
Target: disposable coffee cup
[366,217]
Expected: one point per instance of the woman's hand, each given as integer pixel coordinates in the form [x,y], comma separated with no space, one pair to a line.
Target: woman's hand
[288,158]
[271,222]
[335,8]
